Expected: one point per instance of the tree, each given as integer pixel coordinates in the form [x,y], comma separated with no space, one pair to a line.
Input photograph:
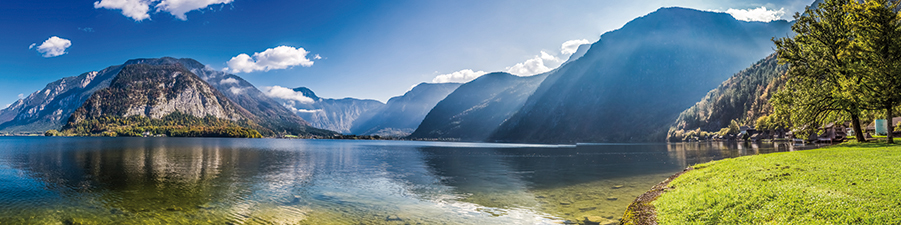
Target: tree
[820,85]
[877,48]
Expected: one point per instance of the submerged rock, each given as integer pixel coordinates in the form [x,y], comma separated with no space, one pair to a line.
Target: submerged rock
[396,218]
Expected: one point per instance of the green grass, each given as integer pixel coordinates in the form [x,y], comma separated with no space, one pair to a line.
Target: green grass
[852,183]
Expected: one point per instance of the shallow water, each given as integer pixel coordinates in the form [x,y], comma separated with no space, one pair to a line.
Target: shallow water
[46,180]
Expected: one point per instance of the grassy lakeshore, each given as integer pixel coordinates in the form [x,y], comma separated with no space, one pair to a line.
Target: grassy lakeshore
[851,183]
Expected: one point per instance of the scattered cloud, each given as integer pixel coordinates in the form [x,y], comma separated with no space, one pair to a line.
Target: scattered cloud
[86,29]
[53,47]
[135,9]
[237,90]
[540,63]
[287,94]
[308,110]
[461,76]
[761,14]
[139,9]
[535,65]
[280,57]
[317,57]
[229,80]
[178,8]
[7,106]
[21,96]
[570,47]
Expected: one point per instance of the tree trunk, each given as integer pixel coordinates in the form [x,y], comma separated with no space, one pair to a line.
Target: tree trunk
[855,125]
[888,125]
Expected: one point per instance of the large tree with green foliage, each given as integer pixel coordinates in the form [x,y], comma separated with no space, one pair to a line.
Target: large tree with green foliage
[877,46]
[820,85]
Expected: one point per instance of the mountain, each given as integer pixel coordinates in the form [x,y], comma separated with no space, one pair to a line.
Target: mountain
[51,107]
[326,113]
[475,109]
[579,53]
[264,110]
[744,97]
[632,83]
[402,114]
[155,92]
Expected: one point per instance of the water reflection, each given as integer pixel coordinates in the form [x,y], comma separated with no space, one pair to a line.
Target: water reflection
[185,180]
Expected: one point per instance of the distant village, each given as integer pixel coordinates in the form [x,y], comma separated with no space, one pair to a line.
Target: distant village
[830,133]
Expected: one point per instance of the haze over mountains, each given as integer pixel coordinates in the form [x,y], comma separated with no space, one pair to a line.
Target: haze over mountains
[402,114]
[326,113]
[634,81]
[743,97]
[475,109]
[627,87]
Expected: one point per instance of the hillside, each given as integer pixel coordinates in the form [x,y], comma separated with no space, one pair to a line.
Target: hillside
[633,83]
[166,95]
[744,97]
[263,110]
[326,113]
[402,114]
[51,107]
[475,109]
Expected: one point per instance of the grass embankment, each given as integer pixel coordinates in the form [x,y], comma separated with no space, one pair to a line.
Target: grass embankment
[852,183]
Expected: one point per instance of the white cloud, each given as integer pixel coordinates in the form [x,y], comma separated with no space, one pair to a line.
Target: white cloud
[308,110]
[540,63]
[7,106]
[570,47]
[286,93]
[139,9]
[32,45]
[759,14]
[21,96]
[135,9]
[236,90]
[53,47]
[317,57]
[229,80]
[280,57]
[461,76]
[178,8]
[535,65]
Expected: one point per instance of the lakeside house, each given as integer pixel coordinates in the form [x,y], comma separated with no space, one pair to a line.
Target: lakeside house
[872,126]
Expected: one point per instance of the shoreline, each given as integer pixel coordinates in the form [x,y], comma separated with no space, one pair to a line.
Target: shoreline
[845,183]
[640,211]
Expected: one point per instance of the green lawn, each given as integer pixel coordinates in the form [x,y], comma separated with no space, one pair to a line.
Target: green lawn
[852,183]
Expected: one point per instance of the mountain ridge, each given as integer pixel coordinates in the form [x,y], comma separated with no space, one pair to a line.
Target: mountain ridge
[475,109]
[632,83]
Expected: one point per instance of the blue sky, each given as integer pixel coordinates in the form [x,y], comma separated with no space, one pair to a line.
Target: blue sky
[365,49]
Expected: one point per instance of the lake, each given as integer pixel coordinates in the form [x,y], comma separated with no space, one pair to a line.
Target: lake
[57,180]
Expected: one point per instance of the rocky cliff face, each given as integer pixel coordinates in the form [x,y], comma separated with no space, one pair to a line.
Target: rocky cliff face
[633,83]
[476,109]
[330,114]
[402,114]
[51,107]
[263,109]
[155,91]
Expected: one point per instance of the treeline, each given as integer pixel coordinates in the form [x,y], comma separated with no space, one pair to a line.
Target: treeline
[741,100]
[843,66]
[176,124]
[844,63]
